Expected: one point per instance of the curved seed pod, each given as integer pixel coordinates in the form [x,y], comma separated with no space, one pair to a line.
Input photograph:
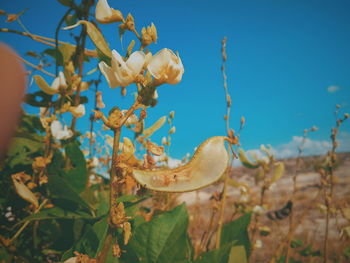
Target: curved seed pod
[24,192]
[278,173]
[281,213]
[245,161]
[206,167]
[157,125]
[95,35]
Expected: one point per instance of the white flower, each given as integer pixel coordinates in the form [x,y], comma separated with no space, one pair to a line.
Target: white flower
[104,14]
[59,82]
[95,162]
[258,209]
[90,135]
[258,243]
[131,120]
[164,141]
[59,132]
[42,115]
[166,67]
[121,73]
[78,111]
[109,140]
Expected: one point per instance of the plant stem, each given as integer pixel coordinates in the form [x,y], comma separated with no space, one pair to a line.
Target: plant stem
[222,209]
[291,215]
[228,131]
[113,194]
[43,40]
[36,67]
[56,34]
[26,223]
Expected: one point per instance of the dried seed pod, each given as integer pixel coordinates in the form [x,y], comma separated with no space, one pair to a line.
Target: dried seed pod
[281,213]
[23,191]
[206,167]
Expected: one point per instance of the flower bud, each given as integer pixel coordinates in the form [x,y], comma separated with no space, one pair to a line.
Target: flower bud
[172,130]
[105,15]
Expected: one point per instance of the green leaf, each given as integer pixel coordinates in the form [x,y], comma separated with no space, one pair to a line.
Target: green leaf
[96,37]
[163,239]
[62,189]
[57,213]
[67,50]
[220,255]
[56,54]
[78,174]
[38,99]
[30,124]
[237,231]
[91,241]
[66,2]
[21,151]
[71,19]
[296,243]
[238,255]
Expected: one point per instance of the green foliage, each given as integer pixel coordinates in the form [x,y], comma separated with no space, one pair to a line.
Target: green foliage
[77,173]
[163,239]
[62,191]
[237,231]
[91,241]
[220,255]
[56,54]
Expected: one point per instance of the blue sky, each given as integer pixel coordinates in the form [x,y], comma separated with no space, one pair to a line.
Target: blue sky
[282,57]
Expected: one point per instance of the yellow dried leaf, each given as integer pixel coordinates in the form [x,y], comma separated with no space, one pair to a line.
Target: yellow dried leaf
[71,260]
[130,183]
[154,148]
[24,192]
[157,125]
[278,173]
[96,37]
[127,232]
[42,84]
[128,148]
[116,251]
[206,167]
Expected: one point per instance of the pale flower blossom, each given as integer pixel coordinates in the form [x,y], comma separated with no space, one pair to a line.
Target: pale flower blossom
[172,130]
[166,67]
[78,111]
[105,14]
[59,82]
[133,119]
[59,131]
[121,73]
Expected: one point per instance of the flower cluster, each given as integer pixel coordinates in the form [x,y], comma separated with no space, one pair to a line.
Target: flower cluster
[164,66]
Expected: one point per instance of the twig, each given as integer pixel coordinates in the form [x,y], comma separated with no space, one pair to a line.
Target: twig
[227,119]
[36,67]
[57,32]
[26,223]
[46,40]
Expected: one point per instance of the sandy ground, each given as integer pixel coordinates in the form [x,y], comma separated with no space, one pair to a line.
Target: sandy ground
[312,228]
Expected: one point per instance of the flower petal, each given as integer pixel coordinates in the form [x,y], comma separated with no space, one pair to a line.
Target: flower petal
[159,63]
[103,11]
[135,62]
[109,75]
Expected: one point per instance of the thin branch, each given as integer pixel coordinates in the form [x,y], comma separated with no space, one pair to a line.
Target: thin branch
[36,67]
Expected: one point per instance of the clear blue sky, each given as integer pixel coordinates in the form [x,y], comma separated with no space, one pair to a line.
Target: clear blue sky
[282,57]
